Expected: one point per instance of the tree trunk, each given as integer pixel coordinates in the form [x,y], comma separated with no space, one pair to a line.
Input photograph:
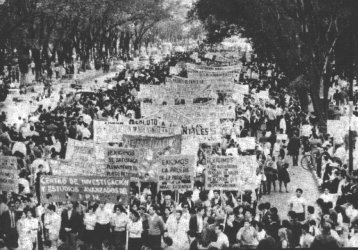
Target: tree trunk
[36,54]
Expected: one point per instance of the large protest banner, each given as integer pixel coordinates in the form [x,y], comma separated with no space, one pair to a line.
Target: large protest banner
[222,173]
[8,173]
[213,68]
[157,145]
[176,172]
[191,113]
[200,87]
[168,115]
[228,74]
[84,188]
[77,167]
[205,132]
[112,131]
[122,162]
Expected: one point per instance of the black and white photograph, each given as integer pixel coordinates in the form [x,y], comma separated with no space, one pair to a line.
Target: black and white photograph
[178,124]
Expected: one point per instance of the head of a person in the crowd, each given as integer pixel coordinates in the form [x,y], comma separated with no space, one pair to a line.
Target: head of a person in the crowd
[69,205]
[178,214]
[200,210]
[11,206]
[326,228]
[292,215]
[135,216]
[149,198]
[153,209]
[219,229]
[216,194]
[51,208]
[310,209]
[141,209]
[29,213]
[299,192]
[119,209]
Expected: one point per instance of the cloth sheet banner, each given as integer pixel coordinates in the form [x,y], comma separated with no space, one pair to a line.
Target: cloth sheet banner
[122,162]
[191,113]
[205,132]
[84,188]
[158,145]
[112,131]
[176,172]
[77,167]
[9,174]
[230,75]
[213,68]
[247,143]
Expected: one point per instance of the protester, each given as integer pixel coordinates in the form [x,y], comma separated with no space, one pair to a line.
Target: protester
[198,219]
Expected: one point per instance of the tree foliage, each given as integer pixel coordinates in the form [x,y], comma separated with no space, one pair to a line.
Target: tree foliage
[308,39]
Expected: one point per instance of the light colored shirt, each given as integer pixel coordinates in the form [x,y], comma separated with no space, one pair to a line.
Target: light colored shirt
[222,242]
[102,216]
[247,236]
[119,221]
[90,221]
[135,229]
[298,204]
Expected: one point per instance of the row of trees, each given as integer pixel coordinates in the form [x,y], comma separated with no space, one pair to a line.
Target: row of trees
[50,27]
[311,41]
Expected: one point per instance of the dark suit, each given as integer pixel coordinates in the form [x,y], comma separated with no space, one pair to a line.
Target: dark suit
[74,223]
[10,233]
[193,224]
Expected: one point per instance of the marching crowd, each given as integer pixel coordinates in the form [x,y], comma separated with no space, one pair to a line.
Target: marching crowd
[198,219]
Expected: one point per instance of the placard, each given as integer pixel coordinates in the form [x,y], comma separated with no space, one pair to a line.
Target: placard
[84,188]
[306,130]
[176,172]
[80,150]
[122,162]
[282,137]
[247,143]
[222,173]
[8,173]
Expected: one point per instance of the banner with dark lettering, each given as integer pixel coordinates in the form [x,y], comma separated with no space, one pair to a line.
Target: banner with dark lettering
[222,173]
[157,145]
[8,173]
[84,188]
[176,172]
[231,173]
[123,162]
[112,131]
[204,132]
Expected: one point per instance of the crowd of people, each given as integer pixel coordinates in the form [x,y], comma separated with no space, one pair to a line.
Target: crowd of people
[199,218]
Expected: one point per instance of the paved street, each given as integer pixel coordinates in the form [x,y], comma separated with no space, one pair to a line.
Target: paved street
[300,178]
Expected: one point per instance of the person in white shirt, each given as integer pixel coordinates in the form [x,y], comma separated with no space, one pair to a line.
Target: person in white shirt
[222,241]
[119,222]
[102,229]
[135,228]
[327,197]
[298,205]
[89,221]
[52,223]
